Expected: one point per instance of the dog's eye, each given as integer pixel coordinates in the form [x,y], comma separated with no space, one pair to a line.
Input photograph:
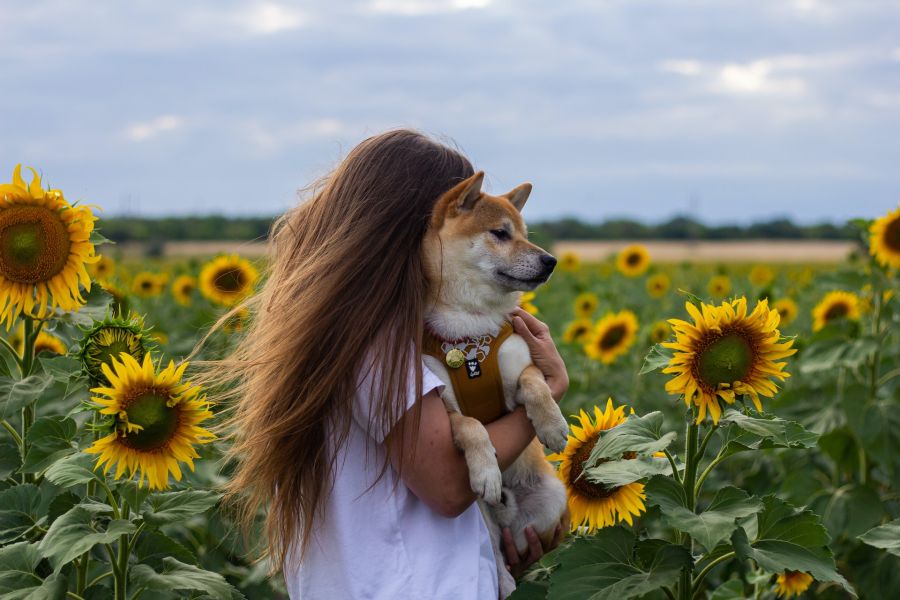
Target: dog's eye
[500,234]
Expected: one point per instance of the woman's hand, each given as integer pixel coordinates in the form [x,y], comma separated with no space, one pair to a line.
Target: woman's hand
[543,351]
[517,563]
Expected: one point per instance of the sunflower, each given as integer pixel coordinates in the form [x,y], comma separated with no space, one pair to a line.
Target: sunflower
[613,335]
[593,505]
[103,268]
[586,304]
[761,275]
[834,306]
[183,288]
[658,285]
[148,285]
[726,352]
[44,342]
[633,260]
[660,332]
[44,246]
[227,280]
[792,583]
[787,308]
[238,321]
[719,286]
[160,337]
[156,421]
[578,331]
[569,261]
[119,304]
[884,244]
[49,343]
[525,301]
[109,339]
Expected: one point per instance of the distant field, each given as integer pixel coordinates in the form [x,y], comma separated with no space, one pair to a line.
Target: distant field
[769,251]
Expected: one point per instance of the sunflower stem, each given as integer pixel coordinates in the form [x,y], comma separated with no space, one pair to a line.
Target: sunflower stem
[685,587]
[13,351]
[28,410]
[702,575]
[124,552]
[81,568]
[719,458]
[13,433]
[702,451]
[674,466]
[100,578]
[873,374]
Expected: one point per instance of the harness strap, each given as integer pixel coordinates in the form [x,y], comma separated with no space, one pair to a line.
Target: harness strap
[476,383]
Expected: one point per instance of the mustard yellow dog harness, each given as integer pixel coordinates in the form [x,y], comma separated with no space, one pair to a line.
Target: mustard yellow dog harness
[474,371]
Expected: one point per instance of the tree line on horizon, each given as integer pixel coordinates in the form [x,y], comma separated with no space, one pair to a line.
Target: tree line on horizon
[216,227]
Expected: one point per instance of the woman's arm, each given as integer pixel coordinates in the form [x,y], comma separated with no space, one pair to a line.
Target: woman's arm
[434,469]
[437,473]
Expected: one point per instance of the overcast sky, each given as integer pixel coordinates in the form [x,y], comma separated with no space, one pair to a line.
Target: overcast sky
[727,111]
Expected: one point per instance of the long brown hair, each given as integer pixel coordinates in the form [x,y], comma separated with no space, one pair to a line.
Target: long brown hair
[345,274]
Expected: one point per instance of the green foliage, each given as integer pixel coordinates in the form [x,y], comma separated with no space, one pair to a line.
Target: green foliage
[709,527]
[886,536]
[787,539]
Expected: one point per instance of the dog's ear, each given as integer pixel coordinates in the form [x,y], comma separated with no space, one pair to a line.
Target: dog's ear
[470,192]
[519,195]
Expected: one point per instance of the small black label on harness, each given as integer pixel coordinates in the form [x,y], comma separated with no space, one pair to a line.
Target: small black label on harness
[473,368]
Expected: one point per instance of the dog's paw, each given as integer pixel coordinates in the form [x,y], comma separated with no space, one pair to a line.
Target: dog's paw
[555,433]
[487,482]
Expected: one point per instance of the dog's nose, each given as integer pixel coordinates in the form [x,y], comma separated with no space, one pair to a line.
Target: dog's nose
[548,261]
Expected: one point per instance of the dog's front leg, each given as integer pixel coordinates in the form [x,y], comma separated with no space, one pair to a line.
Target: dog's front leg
[472,438]
[534,394]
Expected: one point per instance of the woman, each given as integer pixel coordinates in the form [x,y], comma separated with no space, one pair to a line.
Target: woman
[339,429]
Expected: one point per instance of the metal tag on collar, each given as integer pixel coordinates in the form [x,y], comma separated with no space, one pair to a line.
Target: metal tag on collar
[455,358]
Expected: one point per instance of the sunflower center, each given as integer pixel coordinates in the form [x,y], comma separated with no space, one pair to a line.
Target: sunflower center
[612,337]
[836,311]
[34,244]
[725,360]
[230,280]
[633,259]
[892,235]
[159,421]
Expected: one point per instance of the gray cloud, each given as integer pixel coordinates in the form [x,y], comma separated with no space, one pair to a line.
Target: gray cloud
[641,108]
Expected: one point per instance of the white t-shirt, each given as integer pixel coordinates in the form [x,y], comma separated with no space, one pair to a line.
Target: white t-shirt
[384,542]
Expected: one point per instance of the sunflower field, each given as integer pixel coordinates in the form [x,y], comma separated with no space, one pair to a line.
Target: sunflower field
[734,428]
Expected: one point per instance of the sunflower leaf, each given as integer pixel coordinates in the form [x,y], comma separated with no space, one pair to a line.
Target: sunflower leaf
[176,575]
[17,565]
[166,508]
[657,358]
[75,532]
[788,539]
[19,511]
[709,527]
[886,537]
[642,435]
[72,470]
[622,472]
[612,570]
[877,427]
[733,589]
[50,439]
[10,460]
[743,432]
[18,393]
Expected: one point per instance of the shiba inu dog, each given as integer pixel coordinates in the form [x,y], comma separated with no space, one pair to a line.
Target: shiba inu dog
[478,261]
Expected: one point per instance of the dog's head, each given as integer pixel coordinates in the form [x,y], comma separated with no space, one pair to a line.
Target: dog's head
[481,239]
